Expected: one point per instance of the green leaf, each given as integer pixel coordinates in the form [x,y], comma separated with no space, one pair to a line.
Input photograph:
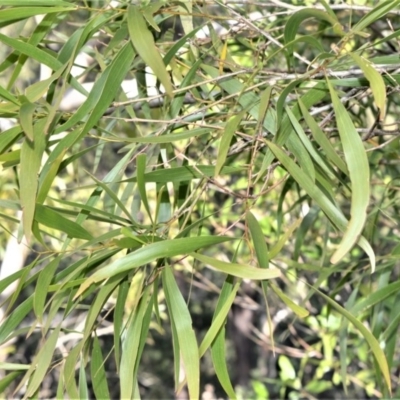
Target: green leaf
[119,313]
[376,13]
[331,211]
[8,379]
[52,219]
[31,158]
[187,340]
[226,139]
[368,336]
[239,270]
[26,113]
[293,23]
[375,298]
[358,166]
[182,174]
[259,242]
[310,40]
[143,42]
[13,367]
[248,99]
[148,12]
[10,324]
[130,347]
[177,102]
[218,346]
[298,310]
[179,44]
[47,177]
[307,144]
[313,96]
[31,51]
[16,13]
[172,137]
[40,364]
[321,138]
[42,287]
[376,82]
[21,283]
[83,388]
[287,372]
[265,98]
[305,226]
[140,172]
[37,90]
[274,251]
[219,320]
[185,10]
[113,196]
[35,3]
[177,355]
[282,100]
[5,282]
[6,95]
[8,137]
[69,371]
[47,24]
[151,252]
[102,93]
[97,305]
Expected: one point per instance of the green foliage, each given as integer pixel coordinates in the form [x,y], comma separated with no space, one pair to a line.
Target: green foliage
[266,152]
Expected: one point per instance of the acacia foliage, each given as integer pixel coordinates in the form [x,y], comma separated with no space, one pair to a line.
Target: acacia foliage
[264,148]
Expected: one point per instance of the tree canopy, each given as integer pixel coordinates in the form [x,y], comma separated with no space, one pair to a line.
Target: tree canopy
[174,165]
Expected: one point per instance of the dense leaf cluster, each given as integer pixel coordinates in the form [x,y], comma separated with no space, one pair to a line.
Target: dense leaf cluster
[180,164]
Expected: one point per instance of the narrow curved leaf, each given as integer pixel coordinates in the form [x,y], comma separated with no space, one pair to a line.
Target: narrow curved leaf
[182,174]
[376,12]
[42,287]
[274,251]
[229,131]
[26,112]
[14,319]
[218,346]
[258,238]
[41,363]
[293,23]
[103,92]
[218,320]
[130,347]
[369,337]
[6,95]
[239,270]
[31,158]
[52,219]
[310,98]
[16,13]
[144,44]
[307,144]
[141,183]
[185,8]
[187,340]
[31,51]
[35,3]
[37,90]
[358,166]
[298,310]
[331,211]
[321,138]
[376,82]
[151,252]
[172,137]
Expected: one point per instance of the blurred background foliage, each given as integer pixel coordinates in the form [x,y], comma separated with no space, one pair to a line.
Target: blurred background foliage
[228,166]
